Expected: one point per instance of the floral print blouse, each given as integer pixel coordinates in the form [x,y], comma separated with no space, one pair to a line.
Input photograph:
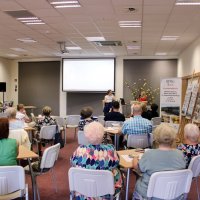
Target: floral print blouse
[99,157]
[189,151]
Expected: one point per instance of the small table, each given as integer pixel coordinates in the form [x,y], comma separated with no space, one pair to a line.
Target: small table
[127,165]
[25,153]
[116,131]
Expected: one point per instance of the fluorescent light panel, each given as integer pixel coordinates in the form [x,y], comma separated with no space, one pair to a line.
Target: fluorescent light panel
[12,55]
[30,20]
[93,39]
[73,48]
[186,2]
[161,54]
[18,49]
[169,37]
[26,40]
[131,24]
[65,4]
[68,6]
[133,47]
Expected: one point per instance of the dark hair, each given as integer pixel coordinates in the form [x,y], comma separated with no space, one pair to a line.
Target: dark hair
[20,106]
[86,112]
[154,107]
[4,128]
[115,104]
[108,92]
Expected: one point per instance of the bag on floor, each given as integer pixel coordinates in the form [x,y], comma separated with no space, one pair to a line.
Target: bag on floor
[58,138]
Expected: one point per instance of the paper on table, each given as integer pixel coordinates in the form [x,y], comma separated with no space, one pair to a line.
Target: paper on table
[127,158]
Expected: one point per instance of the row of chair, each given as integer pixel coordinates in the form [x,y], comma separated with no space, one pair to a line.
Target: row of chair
[162,185]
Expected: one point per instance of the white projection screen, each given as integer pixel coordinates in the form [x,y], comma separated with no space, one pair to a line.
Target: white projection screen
[88,75]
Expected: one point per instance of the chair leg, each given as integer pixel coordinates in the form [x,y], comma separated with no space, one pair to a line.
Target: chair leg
[75,133]
[197,187]
[37,189]
[26,192]
[53,178]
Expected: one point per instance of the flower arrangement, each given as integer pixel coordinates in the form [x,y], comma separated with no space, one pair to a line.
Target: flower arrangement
[141,85]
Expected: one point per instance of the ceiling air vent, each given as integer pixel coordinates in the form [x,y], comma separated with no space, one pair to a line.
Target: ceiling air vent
[20,14]
[108,43]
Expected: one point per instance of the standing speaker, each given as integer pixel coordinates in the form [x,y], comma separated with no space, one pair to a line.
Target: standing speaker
[2,86]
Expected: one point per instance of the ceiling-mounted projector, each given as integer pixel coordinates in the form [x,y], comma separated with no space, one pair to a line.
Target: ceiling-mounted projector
[63,48]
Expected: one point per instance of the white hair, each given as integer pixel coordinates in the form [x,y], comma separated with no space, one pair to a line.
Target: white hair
[191,132]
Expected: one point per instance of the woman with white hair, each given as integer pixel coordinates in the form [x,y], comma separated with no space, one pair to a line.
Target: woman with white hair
[97,156]
[191,146]
[155,160]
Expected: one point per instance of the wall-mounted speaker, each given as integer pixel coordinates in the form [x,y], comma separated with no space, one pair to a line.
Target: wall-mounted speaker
[2,86]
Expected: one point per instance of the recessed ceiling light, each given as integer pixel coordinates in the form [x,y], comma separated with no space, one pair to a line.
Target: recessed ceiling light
[31,20]
[169,37]
[65,3]
[130,24]
[93,39]
[27,18]
[26,40]
[130,47]
[73,48]
[18,49]
[108,54]
[187,2]
[161,54]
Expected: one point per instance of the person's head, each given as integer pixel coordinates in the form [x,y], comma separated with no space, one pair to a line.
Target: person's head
[115,105]
[144,107]
[4,128]
[109,92]
[11,113]
[94,132]
[86,112]
[46,111]
[191,132]
[136,109]
[20,107]
[154,107]
[165,135]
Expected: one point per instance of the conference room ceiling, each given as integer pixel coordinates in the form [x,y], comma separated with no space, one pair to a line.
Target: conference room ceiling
[98,18]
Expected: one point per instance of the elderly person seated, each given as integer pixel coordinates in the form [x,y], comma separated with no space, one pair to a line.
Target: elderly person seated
[86,117]
[154,160]
[46,119]
[13,122]
[8,147]
[191,146]
[97,155]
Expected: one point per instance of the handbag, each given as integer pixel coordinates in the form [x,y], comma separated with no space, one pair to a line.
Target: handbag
[58,138]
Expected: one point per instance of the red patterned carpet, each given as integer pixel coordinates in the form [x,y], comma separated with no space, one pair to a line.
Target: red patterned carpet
[47,191]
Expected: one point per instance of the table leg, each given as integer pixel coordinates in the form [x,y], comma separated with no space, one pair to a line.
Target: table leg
[32,180]
[116,142]
[127,182]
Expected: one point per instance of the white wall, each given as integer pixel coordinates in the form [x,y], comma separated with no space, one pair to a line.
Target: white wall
[189,60]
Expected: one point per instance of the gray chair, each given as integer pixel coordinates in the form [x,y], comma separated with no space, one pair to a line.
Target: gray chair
[72,122]
[82,140]
[12,182]
[101,119]
[91,183]
[195,167]
[113,123]
[46,164]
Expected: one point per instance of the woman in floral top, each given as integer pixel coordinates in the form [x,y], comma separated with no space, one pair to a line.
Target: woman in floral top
[97,156]
[191,147]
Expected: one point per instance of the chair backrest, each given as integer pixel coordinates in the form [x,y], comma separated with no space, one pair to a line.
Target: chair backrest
[139,141]
[12,178]
[113,123]
[156,121]
[48,132]
[91,183]
[195,166]
[60,121]
[82,140]
[101,119]
[73,119]
[21,136]
[169,184]
[49,157]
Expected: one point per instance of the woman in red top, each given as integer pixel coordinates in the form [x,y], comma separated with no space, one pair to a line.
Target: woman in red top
[143,97]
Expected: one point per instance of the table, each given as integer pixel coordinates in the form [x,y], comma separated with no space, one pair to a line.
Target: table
[127,165]
[24,153]
[116,131]
[30,131]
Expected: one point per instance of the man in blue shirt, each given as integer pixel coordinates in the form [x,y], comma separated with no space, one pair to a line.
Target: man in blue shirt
[137,125]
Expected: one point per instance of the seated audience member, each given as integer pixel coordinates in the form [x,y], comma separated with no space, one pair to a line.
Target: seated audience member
[153,112]
[86,117]
[13,122]
[114,115]
[97,155]
[46,120]
[155,160]
[137,124]
[8,147]
[145,114]
[21,114]
[191,146]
